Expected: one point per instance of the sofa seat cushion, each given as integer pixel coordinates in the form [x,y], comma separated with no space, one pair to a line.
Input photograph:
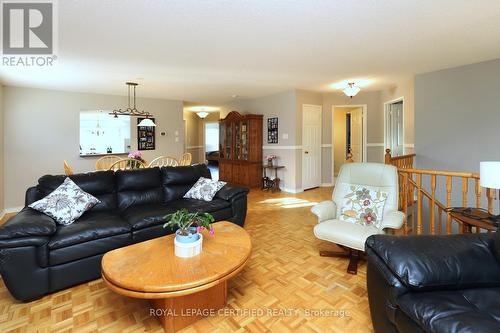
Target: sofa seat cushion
[345,233]
[149,215]
[91,226]
[467,310]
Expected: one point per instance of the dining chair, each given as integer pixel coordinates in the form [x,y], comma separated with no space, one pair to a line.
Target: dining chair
[163,161]
[67,169]
[127,164]
[105,162]
[185,159]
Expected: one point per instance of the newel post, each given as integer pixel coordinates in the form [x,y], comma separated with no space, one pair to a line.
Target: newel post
[349,157]
[388,156]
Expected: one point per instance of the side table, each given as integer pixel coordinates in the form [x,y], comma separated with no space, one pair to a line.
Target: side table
[267,182]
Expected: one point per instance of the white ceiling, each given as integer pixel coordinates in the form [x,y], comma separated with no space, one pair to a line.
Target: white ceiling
[204,51]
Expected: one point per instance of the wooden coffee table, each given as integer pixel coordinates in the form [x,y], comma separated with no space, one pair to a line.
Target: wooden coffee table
[181,290]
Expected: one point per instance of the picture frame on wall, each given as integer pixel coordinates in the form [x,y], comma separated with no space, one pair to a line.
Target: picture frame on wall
[272,130]
[145,136]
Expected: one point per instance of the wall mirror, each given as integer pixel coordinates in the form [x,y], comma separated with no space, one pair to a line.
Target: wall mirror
[102,133]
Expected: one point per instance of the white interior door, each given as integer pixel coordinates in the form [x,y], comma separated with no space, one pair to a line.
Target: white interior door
[311,146]
[394,128]
[357,134]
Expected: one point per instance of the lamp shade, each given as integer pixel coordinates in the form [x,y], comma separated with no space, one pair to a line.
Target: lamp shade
[351,90]
[146,122]
[489,173]
[202,114]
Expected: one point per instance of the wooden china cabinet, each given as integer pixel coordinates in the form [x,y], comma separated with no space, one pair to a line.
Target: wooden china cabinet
[240,149]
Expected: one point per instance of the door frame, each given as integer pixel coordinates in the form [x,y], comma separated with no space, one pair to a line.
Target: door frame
[320,107]
[386,109]
[364,115]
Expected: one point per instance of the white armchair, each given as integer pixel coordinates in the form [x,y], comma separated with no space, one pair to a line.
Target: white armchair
[351,236]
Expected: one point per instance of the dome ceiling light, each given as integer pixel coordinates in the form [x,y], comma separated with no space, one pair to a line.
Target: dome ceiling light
[351,90]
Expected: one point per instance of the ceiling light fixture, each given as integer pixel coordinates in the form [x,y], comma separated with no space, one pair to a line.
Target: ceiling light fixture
[133,111]
[202,114]
[351,90]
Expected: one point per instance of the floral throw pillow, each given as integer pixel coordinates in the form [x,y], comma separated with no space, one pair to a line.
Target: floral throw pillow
[204,189]
[66,203]
[363,205]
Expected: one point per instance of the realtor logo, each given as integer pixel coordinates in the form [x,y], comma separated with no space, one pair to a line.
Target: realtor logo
[28,32]
[27,27]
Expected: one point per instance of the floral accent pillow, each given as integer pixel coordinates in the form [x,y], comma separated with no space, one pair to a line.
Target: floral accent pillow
[66,203]
[204,189]
[363,205]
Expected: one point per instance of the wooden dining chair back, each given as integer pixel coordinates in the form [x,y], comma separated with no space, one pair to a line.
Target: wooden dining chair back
[105,162]
[185,159]
[163,161]
[67,169]
[127,164]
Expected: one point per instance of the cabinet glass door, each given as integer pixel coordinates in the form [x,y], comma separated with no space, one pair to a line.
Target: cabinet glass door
[244,140]
[228,140]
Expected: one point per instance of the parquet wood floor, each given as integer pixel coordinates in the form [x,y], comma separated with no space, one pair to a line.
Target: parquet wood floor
[285,272]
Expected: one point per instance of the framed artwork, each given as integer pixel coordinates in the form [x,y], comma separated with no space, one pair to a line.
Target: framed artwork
[272,130]
[145,136]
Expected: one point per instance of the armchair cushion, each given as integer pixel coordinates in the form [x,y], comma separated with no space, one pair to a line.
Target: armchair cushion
[393,219]
[229,192]
[345,233]
[325,210]
[439,262]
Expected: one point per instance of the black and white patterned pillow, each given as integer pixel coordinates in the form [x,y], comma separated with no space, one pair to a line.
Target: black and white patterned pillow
[66,203]
[204,189]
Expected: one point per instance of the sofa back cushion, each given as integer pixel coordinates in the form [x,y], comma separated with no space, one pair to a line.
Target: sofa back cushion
[177,181]
[138,187]
[100,184]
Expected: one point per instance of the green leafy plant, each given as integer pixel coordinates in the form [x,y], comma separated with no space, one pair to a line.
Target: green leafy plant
[185,220]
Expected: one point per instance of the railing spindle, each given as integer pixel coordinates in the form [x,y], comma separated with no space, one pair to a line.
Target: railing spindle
[449,187]
[405,202]
[432,204]
[489,195]
[419,204]
[465,190]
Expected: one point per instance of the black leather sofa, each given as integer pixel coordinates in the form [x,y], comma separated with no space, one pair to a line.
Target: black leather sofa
[38,256]
[434,283]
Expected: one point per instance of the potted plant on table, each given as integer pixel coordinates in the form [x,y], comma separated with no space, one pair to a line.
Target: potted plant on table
[188,238]
[136,155]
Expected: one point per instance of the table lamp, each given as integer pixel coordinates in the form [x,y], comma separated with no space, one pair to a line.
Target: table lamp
[489,173]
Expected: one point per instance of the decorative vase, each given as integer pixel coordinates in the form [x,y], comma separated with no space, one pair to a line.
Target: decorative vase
[187,250]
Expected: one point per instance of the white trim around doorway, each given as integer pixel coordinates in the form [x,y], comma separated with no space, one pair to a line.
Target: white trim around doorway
[365,131]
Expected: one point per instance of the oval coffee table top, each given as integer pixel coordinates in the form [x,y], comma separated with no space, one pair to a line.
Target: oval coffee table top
[150,269]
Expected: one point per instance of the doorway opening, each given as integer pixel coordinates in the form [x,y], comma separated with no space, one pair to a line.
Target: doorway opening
[211,147]
[394,126]
[348,135]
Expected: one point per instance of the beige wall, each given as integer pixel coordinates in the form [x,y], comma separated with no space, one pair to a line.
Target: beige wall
[194,136]
[405,89]
[2,198]
[42,129]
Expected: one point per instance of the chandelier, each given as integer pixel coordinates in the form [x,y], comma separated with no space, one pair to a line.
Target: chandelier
[351,90]
[133,111]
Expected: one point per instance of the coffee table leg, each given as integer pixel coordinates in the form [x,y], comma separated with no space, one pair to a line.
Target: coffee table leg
[179,312]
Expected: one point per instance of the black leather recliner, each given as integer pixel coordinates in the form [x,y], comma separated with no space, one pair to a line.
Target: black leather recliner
[434,283]
[38,256]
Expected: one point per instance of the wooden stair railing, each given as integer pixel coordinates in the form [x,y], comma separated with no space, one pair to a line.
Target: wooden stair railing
[421,186]
[400,162]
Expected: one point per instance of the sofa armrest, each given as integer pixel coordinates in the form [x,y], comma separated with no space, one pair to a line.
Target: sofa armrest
[425,263]
[393,219]
[229,192]
[28,223]
[325,210]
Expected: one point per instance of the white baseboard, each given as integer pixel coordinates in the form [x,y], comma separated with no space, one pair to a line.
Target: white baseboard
[326,185]
[292,190]
[13,210]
